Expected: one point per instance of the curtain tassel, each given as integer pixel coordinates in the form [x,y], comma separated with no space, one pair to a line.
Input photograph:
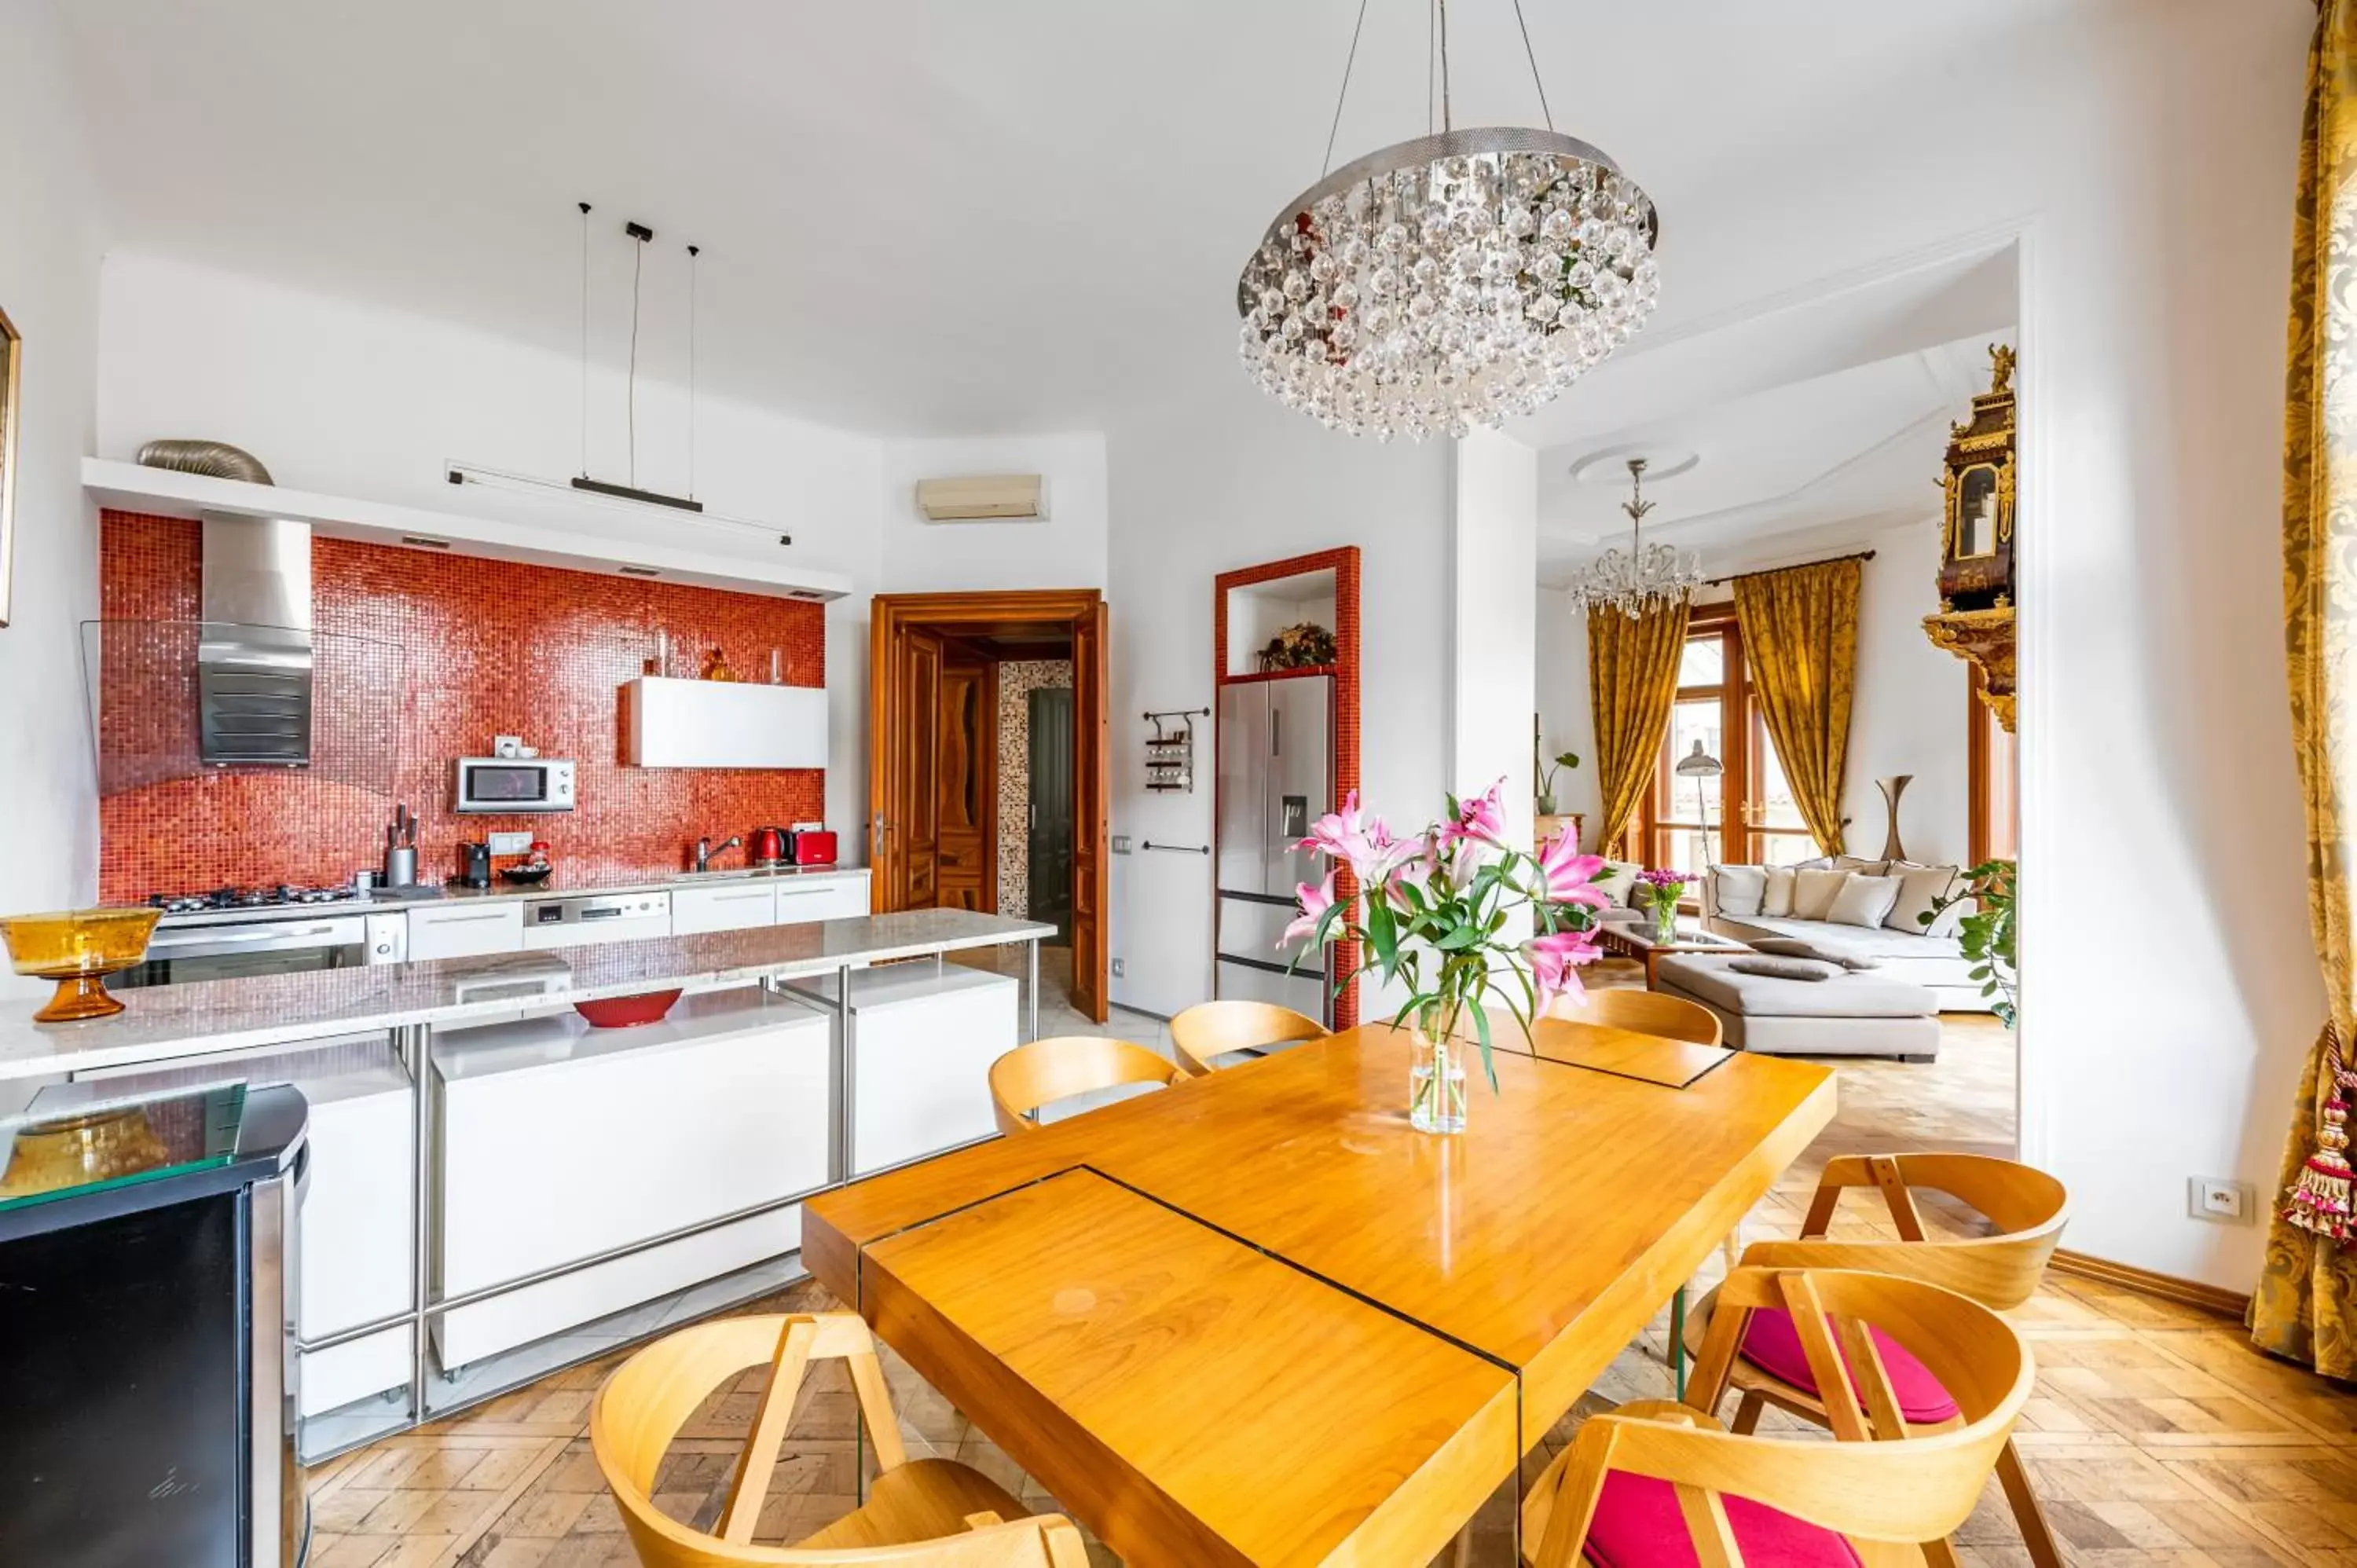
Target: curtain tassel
[2320,1201]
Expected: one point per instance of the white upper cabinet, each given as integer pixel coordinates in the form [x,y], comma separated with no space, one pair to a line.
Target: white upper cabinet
[723,723]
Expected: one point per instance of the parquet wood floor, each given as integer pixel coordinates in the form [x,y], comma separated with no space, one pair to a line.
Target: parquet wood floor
[2157,1436]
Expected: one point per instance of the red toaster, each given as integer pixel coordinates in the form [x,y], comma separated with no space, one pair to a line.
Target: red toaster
[814,848]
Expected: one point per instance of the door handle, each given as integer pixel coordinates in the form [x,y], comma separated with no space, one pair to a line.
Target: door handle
[879,831]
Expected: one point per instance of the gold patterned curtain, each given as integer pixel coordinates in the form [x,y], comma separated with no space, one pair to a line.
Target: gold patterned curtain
[1632,679]
[1800,632]
[2306,1303]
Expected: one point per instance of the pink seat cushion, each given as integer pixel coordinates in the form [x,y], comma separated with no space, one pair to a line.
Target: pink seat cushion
[1637,1525]
[1773,1345]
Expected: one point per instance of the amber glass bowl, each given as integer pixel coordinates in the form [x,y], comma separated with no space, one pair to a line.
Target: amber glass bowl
[75,948]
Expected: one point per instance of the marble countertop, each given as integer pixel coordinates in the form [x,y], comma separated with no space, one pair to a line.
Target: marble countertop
[160,1023]
[559,886]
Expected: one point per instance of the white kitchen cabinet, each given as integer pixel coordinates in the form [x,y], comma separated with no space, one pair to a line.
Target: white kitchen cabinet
[921,1045]
[726,906]
[823,896]
[560,1141]
[465,928]
[723,723]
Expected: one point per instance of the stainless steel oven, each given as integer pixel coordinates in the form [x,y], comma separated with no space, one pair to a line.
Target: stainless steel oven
[177,954]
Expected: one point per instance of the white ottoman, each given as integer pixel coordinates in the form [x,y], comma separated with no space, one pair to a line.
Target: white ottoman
[1852,1014]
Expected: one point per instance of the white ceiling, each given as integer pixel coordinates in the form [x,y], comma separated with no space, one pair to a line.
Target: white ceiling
[1811,426]
[923,218]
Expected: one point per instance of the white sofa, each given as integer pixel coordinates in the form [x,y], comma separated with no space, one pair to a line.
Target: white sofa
[1931,958]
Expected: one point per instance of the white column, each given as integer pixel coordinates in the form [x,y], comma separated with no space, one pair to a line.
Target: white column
[1493,640]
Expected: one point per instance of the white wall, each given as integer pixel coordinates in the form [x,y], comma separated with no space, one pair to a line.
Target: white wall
[1910,713]
[352,399]
[50,245]
[2156,748]
[1066,551]
[1566,717]
[1493,665]
[1234,480]
[2156,741]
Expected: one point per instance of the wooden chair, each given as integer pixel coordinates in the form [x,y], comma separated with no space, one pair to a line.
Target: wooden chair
[1658,1481]
[923,1513]
[1211,1029]
[1044,1071]
[1639,1012]
[2027,1206]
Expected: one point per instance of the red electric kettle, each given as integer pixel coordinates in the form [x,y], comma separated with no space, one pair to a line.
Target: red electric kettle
[767,846]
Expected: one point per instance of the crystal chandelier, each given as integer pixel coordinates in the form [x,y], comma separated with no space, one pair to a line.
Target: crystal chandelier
[1644,577]
[1449,281]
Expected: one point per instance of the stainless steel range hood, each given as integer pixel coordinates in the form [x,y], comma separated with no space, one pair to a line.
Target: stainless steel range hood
[254,654]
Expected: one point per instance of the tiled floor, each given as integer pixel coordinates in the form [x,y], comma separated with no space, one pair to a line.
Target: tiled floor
[2156,1434]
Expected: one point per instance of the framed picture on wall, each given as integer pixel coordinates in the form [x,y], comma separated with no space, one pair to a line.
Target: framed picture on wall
[12,348]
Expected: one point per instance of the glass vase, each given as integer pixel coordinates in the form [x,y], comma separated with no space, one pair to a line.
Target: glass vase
[1665,924]
[1435,1081]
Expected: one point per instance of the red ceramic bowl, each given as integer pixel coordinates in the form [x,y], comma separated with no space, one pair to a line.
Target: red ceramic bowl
[622,1012]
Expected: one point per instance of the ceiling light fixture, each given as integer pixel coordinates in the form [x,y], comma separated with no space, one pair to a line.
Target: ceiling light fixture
[1645,576]
[1449,281]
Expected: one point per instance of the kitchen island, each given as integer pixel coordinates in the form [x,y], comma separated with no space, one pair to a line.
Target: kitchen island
[498,1189]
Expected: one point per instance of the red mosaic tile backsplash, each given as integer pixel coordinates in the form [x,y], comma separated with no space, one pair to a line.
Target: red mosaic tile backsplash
[420,660]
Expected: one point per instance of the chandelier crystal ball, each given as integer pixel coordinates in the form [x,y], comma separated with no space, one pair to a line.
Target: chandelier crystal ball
[1448,282]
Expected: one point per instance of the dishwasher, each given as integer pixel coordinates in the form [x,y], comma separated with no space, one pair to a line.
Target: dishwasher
[595,918]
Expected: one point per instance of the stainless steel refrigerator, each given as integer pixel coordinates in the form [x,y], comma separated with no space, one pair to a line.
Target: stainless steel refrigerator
[1276,777]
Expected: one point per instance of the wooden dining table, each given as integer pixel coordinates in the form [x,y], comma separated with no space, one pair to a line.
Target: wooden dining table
[1257,1318]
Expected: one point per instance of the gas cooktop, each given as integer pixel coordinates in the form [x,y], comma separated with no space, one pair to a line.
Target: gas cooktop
[284,895]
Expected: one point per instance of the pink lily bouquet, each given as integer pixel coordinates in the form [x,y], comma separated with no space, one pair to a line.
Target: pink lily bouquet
[1431,913]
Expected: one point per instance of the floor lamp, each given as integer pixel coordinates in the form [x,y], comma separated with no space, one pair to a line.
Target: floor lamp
[1699,764]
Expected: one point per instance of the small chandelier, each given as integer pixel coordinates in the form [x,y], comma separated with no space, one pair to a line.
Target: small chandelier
[1451,281]
[1644,577]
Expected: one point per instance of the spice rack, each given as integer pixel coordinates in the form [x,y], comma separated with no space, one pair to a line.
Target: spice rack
[1170,750]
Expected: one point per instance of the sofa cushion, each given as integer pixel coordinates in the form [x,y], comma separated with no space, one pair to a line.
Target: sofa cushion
[1786,968]
[1617,880]
[1863,901]
[1776,897]
[1825,952]
[1881,942]
[1919,889]
[1862,866]
[1813,893]
[1737,889]
[1710,978]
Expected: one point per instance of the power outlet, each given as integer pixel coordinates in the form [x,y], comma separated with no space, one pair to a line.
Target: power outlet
[1120,970]
[2219,1201]
[508,844]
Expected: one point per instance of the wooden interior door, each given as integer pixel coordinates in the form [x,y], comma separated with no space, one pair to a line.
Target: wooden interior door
[904,766]
[965,801]
[1090,794]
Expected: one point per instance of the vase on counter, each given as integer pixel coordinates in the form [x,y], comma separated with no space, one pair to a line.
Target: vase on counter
[1665,924]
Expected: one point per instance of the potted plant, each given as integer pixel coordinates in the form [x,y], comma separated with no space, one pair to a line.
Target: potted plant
[1986,934]
[1431,913]
[1565,760]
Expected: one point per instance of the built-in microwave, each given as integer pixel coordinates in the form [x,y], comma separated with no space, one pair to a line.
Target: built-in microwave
[500,784]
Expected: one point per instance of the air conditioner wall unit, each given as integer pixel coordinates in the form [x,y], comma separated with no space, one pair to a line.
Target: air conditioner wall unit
[984,498]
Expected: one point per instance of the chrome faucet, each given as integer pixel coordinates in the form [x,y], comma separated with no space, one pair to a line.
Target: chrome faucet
[705,852]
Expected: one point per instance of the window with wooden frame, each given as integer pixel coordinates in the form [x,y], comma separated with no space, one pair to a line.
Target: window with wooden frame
[1994,803]
[1745,814]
